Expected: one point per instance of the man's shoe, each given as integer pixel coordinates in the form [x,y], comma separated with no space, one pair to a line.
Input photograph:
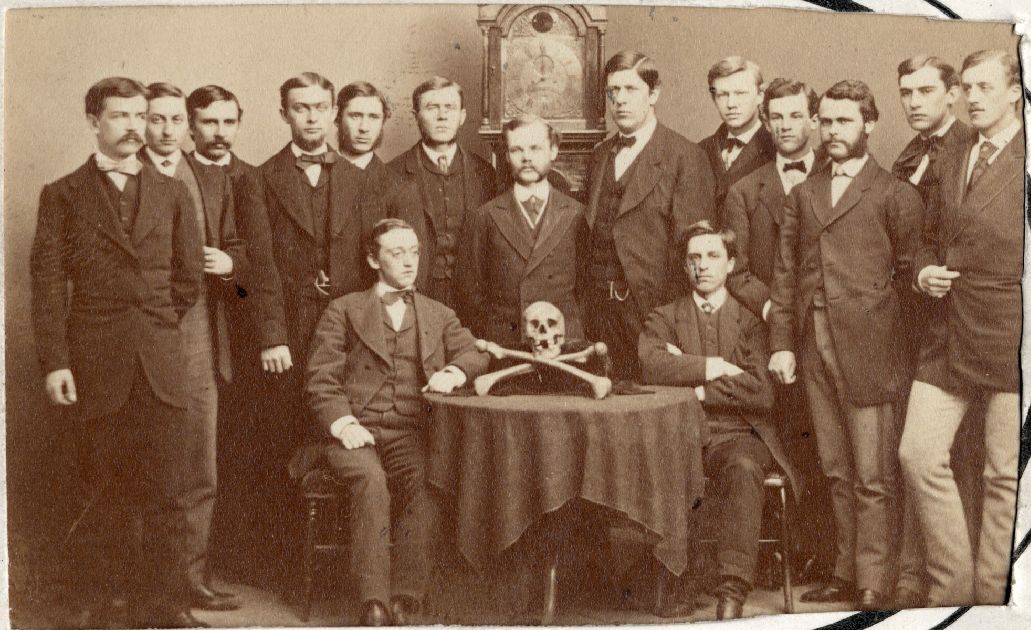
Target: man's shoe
[374,613]
[728,608]
[836,590]
[907,598]
[403,610]
[869,599]
[203,598]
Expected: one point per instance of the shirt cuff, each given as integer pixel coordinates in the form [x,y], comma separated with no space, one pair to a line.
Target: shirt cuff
[337,428]
[766,310]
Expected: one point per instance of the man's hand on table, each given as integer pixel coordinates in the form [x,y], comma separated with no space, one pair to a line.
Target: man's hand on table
[445,381]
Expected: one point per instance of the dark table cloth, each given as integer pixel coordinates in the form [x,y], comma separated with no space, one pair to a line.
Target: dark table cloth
[508,460]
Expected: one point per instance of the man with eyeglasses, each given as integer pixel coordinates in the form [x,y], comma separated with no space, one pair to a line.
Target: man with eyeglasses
[440,184]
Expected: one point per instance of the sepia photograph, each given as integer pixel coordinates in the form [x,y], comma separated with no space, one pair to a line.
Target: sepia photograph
[516,315]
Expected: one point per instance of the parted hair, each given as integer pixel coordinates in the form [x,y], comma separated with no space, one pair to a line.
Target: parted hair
[853,90]
[732,65]
[781,87]
[303,80]
[162,89]
[204,96]
[359,89]
[1007,59]
[947,73]
[435,83]
[525,120]
[370,244]
[639,62]
[118,87]
[705,228]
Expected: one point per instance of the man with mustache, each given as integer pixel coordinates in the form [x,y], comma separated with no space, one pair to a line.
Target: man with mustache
[116,263]
[971,261]
[441,183]
[526,245]
[741,144]
[847,238]
[646,184]
[204,328]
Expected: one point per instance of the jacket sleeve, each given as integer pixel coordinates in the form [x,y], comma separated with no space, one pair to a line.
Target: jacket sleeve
[460,349]
[262,287]
[905,219]
[230,237]
[187,248]
[752,390]
[658,366]
[783,327]
[327,367]
[742,284]
[50,283]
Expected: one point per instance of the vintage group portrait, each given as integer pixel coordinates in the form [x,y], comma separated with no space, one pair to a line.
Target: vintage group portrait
[513,314]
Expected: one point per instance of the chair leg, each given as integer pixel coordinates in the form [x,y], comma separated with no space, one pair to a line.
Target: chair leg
[309,559]
[785,547]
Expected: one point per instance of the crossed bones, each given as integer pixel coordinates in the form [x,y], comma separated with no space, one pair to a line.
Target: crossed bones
[600,385]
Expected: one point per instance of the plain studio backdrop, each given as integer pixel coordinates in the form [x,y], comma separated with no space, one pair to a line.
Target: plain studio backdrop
[54,55]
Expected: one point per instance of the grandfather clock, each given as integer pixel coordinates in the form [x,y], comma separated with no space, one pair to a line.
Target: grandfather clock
[545,60]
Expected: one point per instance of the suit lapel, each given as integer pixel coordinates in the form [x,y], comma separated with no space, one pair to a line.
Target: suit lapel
[91,199]
[1007,167]
[414,169]
[428,320]
[687,326]
[369,325]
[509,219]
[288,188]
[154,195]
[853,193]
[555,222]
[729,327]
[647,172]
[597,177]
[771,193]
[210,193]
[346,182]
[749,153]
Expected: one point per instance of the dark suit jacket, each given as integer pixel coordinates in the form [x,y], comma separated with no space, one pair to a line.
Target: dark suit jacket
[128,293]
[502,270]
[742,341]
[981,235]
[349,359]
[412,205]
[671,187]
[863,249]
[298,260]
[956,140]
[258,309]
[759,150]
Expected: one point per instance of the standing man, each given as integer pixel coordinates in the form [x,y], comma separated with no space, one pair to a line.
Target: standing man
[646,185]
[375,352]
[362,111]
[116,263]
[848,234]
[525,246]
[204,329]
[441,184]
[972,261]
[741,144]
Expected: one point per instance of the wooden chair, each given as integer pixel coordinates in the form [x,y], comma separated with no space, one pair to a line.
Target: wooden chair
[325,527]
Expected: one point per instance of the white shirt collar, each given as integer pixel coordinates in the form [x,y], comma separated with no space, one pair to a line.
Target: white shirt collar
[944,129]
[717,299]
[747,136]
[1002,138]
[222,161]
[173,157]
[382,288]
[809,159]
[434,154]
[362,161]
[853,166]
[298,151]
[538,189]
[644,134]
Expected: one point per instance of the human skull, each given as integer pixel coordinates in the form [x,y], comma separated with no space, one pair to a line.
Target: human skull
[545,329]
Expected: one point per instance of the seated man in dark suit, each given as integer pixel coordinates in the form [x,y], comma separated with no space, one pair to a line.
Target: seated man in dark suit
[709,341]
[373,354]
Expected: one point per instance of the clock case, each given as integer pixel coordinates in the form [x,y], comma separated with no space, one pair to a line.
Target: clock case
[580,133]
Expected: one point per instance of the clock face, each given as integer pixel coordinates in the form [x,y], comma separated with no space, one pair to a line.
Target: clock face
[543,68]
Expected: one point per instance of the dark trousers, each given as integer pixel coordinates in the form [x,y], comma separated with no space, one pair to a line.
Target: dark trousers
[736,467]
[393,515]
[618,324]
[133,470]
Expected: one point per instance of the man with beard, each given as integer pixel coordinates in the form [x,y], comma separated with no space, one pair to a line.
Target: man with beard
[646,184]
[848,235]
[527,245]
[440,184]
[741,144]
[972,261]
[116,263]
[204,331]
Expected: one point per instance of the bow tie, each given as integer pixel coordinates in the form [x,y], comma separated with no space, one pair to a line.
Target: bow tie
[128,166]
[732,143]
[795,166]
[930,143]
[839,171]
[624,142]
[391,297]
[305,160]
[708,307]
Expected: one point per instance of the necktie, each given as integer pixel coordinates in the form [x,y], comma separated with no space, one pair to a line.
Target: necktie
[624,142]
[166,163]
[708,308]
[984,153]
[533,208]
[391,297]
[128,166]
[733,143]
[305,160]
[795,166]
[442,164]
